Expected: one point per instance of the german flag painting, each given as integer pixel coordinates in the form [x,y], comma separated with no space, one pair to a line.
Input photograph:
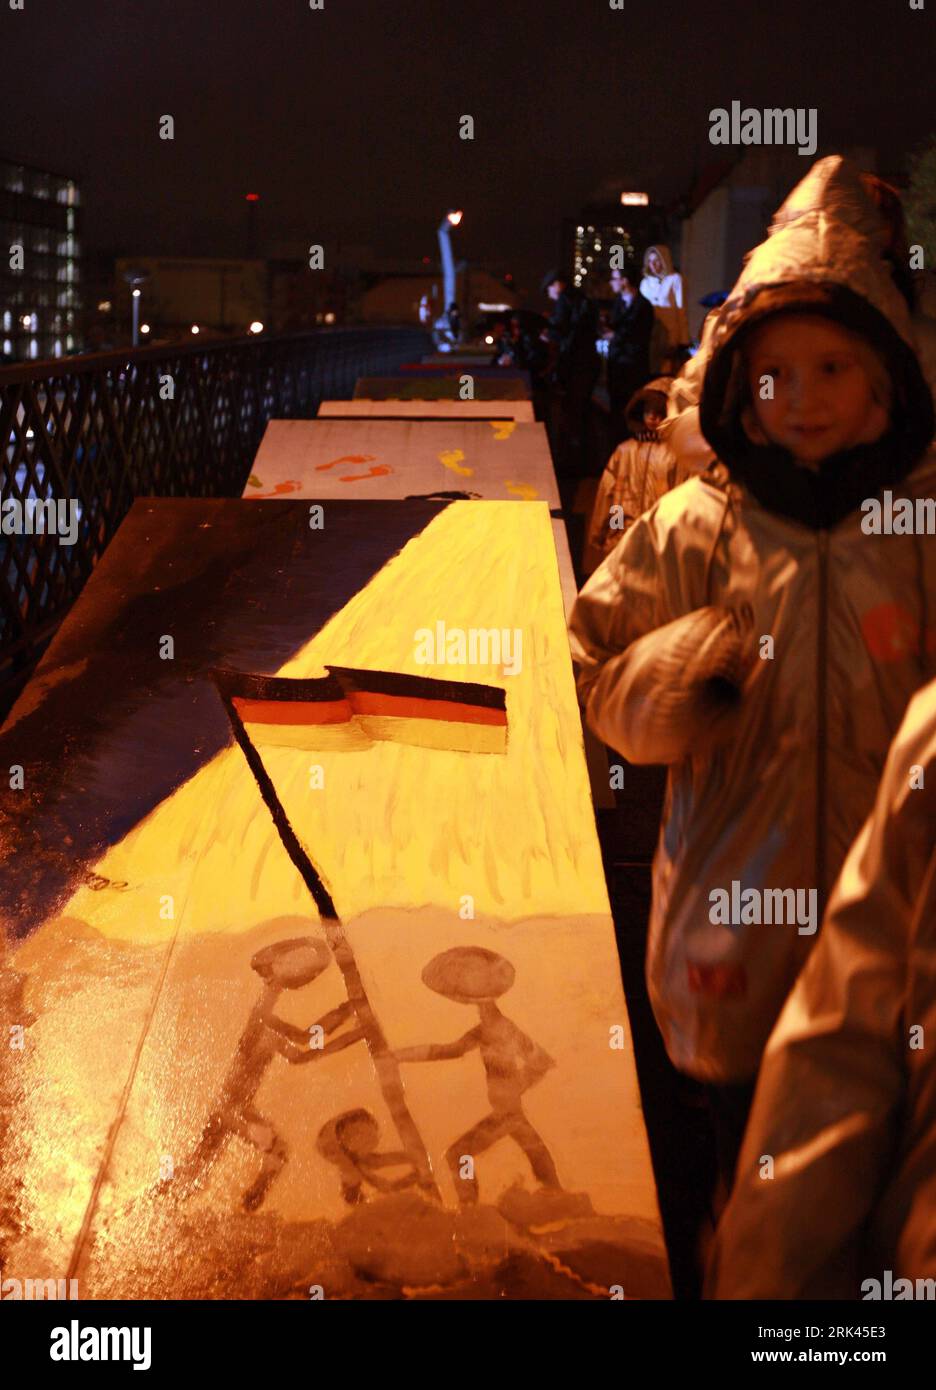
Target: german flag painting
[351,709]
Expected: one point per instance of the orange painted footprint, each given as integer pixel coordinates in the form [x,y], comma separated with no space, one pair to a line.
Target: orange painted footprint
[376,472]
[345,458]
[290,485]
[451,459]
[503,429]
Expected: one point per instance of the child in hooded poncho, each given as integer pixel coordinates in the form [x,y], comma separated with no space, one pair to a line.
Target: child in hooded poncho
[637,474]
[751,634]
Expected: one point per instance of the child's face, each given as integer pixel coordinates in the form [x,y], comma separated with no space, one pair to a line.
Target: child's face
[652,419]
[823,396]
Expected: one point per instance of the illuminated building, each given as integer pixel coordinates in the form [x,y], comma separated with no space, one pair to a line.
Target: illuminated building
[632,222]
[39,303]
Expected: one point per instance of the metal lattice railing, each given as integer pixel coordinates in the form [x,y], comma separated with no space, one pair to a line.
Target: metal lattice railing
[95,432]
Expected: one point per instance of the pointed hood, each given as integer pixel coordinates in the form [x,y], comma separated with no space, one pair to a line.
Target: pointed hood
[822,256]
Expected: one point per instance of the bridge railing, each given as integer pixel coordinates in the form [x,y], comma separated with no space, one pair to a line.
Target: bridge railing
[180,420]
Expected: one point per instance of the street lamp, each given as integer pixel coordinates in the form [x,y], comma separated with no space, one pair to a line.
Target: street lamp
[135,278]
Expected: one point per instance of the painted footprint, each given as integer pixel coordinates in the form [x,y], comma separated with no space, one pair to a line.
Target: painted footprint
[451,459]
[525,490]
[291,485]
[503,429]
[345,458]
[379,470]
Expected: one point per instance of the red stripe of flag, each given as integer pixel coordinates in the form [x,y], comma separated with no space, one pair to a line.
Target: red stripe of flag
[303,712]
[293,711]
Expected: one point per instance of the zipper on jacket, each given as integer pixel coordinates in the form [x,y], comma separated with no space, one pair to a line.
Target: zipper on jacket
[821,721]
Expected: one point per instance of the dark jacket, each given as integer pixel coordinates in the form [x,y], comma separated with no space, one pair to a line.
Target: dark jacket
[572,328]
[524,351]
[629,349]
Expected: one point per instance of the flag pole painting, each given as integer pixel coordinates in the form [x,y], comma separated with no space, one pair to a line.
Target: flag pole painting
[324,712]
[314,969]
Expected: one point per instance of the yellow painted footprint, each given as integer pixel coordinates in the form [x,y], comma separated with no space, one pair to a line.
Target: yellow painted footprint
[451,458]
[525,490]
[503,429]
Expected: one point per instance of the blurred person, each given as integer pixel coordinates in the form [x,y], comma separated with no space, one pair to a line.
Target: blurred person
[846,1100]
[662,285]
[572,371]
[637,474]
[628,337]
[499,338]
[517,347]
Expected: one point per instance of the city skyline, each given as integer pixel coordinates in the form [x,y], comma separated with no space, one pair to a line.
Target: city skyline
[347,124]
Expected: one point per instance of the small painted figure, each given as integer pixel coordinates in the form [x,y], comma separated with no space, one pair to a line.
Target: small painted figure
[350,1141]
[512,1061]
[284,965]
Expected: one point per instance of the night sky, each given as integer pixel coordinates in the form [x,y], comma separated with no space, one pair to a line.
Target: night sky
[345,120]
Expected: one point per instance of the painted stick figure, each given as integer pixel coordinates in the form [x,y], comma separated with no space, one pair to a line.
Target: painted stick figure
[284,965]
[512,1061]
[350,1142]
